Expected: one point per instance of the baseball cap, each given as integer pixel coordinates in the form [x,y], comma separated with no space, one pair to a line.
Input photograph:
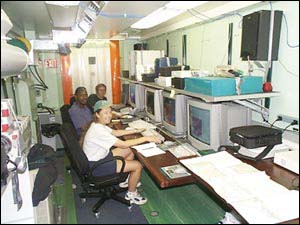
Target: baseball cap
[101,104]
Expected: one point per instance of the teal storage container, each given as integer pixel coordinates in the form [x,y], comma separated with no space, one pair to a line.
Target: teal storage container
[221,86]
[251,84]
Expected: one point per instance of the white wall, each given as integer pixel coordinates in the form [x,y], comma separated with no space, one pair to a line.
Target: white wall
[207,48]
[125,48]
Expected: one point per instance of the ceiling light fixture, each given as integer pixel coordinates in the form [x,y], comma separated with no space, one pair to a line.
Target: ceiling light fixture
[228,7]
[165,13]
[63,3]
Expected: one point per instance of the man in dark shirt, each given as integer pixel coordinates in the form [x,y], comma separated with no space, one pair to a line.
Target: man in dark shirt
[79,112]
[100,95]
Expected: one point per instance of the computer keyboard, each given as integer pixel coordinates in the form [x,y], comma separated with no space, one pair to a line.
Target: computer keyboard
[127,120]
[151,132]
[141,124]
[118,106]
[183,150]
[125,110]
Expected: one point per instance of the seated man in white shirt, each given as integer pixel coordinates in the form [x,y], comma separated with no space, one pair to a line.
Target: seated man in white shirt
[97,143]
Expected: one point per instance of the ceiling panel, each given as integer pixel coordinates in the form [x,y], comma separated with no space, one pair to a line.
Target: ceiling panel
[34,15]
[28,15]
[117,16]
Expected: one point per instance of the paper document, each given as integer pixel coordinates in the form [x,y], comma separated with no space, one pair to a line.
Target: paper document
[144,146]
[149,149]
[250,191]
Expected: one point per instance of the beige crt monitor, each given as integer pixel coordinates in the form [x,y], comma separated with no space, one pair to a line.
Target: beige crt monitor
[208,124]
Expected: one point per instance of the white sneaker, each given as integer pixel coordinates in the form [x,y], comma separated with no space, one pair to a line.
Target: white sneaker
[135,198]
[125,184]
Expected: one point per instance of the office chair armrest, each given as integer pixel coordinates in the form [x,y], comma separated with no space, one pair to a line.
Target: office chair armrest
[108,160]
[123,162]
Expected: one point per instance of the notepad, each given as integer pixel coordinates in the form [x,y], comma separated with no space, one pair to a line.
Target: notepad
[149,149]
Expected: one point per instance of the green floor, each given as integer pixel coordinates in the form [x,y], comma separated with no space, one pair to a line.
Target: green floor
[63,200]
[178,205]
[187,204]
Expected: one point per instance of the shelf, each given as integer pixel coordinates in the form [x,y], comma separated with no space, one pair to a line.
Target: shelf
[206,98]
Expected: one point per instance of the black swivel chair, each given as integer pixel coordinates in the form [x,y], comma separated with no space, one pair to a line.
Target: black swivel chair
[66,118]
[103,187]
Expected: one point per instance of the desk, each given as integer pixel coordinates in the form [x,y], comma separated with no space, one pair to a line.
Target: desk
[154,163]
[276,173]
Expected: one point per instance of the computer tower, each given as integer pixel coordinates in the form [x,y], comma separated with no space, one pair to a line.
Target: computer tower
[255,35]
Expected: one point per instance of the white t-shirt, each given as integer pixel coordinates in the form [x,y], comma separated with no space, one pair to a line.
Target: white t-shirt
[97,142]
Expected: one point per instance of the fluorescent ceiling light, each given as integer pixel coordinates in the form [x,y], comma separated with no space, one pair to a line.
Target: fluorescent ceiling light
[63,3]
[228,7]
[184,5]
[165,13]
[158,16]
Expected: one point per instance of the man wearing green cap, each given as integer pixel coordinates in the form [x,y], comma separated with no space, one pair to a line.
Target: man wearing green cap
[97,145]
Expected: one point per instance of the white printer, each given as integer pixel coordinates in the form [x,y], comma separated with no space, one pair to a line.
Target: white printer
[288,160]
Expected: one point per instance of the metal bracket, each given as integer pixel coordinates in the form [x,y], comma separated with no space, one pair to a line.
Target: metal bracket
[255,107]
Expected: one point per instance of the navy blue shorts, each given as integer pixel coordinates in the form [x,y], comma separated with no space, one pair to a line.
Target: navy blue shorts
[107,168]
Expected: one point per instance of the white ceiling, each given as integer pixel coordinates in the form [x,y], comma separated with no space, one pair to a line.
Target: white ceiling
[34,17]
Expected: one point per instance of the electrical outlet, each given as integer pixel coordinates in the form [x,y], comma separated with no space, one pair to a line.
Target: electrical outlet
[288,119]
[291,145]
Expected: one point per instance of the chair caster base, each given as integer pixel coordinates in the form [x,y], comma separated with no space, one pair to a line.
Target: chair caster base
[97,215]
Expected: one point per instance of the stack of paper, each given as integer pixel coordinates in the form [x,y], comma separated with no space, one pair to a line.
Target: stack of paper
[149,149]
[250,191]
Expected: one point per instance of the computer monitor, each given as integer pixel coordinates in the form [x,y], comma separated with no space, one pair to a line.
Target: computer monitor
[131,99]
[174,113]
[209,123]
[136,96]
[153,104]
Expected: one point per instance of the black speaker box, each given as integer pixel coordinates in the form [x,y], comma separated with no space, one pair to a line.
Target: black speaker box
[178,82]
[255,35]
[140,46]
